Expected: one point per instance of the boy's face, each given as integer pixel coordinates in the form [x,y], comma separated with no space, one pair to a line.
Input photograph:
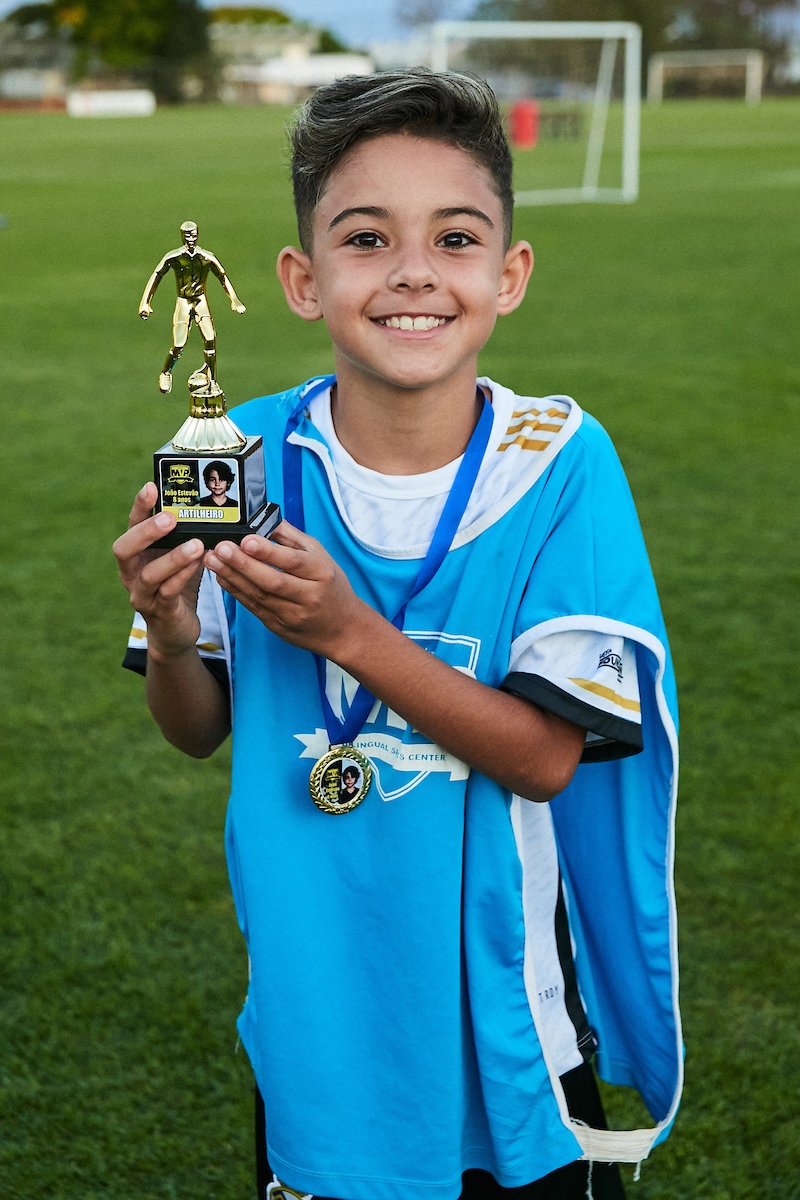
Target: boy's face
[408,267]
[217,486]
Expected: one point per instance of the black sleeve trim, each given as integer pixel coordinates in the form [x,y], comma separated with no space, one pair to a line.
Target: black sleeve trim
[621,738]
[136,660]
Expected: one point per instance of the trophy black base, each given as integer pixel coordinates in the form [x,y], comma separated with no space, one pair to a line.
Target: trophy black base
[210,535]
[216,497]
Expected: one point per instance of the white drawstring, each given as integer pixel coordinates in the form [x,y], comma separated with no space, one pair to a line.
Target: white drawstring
[279,1191]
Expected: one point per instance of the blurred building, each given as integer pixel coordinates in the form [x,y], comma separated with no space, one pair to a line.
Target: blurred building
[265,58]
[35,59]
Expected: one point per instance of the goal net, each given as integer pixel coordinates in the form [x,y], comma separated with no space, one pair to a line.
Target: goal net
[572,94]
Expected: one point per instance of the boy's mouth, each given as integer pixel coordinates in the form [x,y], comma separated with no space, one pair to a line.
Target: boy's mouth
[408,322]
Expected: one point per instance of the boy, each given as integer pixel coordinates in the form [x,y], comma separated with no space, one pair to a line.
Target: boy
[473,616]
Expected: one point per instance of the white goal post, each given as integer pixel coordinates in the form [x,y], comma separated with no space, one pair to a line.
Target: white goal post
[610,34]
[751,60]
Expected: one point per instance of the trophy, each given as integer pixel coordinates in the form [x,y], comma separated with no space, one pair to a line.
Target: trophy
[210,476]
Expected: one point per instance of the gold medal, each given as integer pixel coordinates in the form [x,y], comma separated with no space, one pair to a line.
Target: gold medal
[340,779]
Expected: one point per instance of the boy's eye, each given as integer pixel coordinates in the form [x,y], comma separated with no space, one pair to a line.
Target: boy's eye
[457,240]
[366,240]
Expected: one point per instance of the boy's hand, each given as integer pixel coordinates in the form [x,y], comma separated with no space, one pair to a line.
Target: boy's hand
[294,586]
[163,584]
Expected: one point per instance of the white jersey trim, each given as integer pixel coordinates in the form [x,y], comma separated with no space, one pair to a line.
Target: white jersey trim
[521,447]
[611,1145]
[598,669]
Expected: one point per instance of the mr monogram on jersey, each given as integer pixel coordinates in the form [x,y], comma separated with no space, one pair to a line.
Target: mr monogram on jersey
[401,757]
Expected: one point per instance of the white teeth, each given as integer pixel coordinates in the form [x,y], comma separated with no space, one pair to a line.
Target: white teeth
[417,323]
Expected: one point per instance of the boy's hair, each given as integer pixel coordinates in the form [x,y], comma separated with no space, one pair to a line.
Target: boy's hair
[445,106]
[222,469]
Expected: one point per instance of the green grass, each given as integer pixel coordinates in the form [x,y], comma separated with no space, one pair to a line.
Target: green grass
[675,321]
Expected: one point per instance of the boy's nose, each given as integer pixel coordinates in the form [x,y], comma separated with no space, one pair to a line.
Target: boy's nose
[413,272]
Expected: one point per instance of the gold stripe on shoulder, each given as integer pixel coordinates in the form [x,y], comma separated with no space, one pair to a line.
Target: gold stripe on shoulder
[524,443]
[529,424]
[607,693]
[138,633]
[208,646]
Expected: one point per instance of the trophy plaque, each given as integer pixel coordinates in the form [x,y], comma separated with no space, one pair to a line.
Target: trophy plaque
[210,476]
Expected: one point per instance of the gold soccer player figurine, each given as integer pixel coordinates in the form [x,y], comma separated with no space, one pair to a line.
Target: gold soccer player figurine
[191,265]
[207,427]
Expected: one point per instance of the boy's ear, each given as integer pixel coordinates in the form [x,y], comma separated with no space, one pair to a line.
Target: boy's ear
[299,285]
[517,267]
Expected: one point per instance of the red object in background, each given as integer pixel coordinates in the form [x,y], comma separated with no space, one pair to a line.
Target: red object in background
[523,122]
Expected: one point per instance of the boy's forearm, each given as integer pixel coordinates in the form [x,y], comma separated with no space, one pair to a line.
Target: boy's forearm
[529,751]
[189,705]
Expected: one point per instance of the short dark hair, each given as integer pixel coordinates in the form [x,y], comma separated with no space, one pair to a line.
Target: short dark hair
[446,106]
[222,469]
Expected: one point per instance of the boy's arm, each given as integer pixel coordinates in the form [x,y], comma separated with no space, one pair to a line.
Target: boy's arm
[293,586]
[188,703]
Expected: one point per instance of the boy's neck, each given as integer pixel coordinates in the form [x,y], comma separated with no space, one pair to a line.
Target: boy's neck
[404,431]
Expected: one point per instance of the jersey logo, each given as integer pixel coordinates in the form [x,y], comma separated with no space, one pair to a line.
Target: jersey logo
[396,756]
[609,659]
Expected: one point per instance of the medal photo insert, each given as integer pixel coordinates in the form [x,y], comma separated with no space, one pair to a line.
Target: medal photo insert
[197,489]
[340,779]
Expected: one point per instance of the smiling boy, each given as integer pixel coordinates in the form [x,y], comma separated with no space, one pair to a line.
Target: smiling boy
[472,618]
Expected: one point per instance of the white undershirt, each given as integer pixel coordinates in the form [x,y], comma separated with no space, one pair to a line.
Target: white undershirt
[391,512]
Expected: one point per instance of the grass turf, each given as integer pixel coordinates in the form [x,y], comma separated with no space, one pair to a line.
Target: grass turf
[674,321]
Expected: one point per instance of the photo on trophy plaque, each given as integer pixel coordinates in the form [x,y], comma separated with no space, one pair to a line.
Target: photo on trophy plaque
[200,489]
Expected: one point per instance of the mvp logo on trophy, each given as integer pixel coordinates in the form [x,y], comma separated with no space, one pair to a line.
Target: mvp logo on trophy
[210,476]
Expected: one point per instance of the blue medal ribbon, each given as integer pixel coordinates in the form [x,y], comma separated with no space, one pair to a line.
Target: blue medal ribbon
[345,732]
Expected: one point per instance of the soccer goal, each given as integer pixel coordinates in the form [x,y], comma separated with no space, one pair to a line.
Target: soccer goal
[716,65]
[575,67]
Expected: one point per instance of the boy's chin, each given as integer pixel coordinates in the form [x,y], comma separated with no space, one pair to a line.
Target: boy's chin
[408,376]
[412,381]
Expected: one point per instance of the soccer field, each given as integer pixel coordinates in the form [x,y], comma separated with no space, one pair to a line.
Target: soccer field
[675,322]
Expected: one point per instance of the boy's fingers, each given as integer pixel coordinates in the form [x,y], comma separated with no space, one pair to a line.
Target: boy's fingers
[143,504]
[288,535]
[174,585]
[282,566]
[186,556]
[140,536]
[308,561]
[256,579]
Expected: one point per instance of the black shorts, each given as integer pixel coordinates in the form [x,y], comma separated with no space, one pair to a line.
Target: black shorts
[567,1183]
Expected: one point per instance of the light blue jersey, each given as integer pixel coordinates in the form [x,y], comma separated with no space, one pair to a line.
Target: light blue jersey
[397,1012]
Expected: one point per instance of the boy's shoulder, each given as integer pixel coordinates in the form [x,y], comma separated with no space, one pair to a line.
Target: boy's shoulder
[265,411]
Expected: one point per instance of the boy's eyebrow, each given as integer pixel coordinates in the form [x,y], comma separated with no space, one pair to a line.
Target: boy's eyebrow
[462,210]
[365,211]
[441,214]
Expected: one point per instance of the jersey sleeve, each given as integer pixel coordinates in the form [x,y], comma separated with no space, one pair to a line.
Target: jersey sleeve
[588,602]
[587,678]
[212,640]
